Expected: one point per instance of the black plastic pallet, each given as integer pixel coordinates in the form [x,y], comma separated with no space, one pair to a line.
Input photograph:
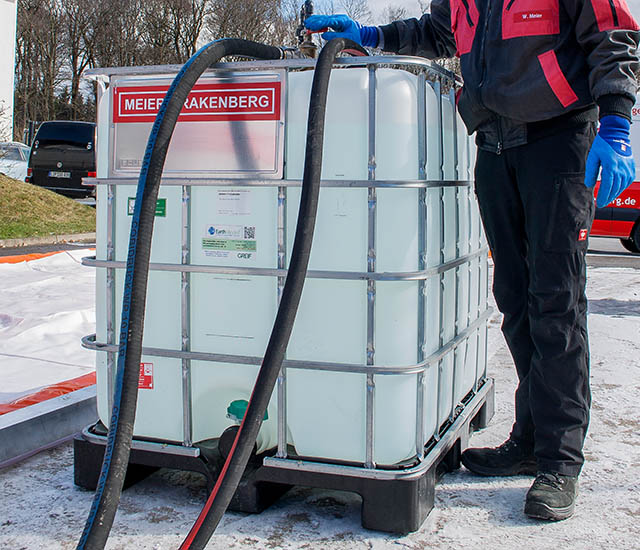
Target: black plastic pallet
[395,501]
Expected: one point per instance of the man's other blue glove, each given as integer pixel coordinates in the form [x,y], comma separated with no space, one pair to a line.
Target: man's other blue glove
[611,149]
[345,27]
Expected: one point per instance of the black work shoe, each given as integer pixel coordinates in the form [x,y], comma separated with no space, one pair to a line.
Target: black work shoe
[509,459]
[552,496]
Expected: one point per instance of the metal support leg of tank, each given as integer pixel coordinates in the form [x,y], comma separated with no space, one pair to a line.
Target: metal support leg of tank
[485,414]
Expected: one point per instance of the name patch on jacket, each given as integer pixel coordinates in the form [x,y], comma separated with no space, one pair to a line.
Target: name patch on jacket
[527,16]
[530,18]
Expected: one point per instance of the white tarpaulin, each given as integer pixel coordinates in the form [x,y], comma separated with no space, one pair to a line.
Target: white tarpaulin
[46,307]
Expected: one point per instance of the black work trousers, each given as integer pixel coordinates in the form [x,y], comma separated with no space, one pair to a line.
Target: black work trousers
[537,213]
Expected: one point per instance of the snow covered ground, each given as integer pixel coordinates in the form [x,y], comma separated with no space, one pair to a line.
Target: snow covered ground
[40,508]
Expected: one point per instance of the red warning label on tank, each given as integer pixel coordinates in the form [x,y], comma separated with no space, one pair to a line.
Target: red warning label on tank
[145,382]
[206,102]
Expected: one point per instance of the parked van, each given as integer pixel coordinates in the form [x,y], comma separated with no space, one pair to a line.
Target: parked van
[621,217]
[63,152]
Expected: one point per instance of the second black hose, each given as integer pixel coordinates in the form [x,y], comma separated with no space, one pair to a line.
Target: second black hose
[237,459]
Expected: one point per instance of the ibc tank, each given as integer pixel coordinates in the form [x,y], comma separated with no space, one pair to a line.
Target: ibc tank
[390,336]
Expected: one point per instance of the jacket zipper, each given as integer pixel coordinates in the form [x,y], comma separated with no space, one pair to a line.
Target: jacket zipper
[484,71]
[466,7]
[482,48]
[512,1]
[614,13]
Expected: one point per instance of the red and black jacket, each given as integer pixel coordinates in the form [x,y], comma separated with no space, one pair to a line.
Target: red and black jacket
[527,61]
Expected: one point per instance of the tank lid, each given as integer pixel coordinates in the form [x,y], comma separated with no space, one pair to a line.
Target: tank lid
[237,409]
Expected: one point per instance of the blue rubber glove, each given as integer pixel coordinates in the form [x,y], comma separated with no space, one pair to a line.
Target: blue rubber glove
[345,27]
[611,149]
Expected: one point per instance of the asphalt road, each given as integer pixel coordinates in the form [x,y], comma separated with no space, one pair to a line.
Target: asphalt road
[605,252]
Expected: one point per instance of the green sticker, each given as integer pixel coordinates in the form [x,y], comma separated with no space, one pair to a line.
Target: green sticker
[228,244]
[161,207]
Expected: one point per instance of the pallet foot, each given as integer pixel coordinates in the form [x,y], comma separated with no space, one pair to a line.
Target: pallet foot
[87,463]
[252,495]
[398,507]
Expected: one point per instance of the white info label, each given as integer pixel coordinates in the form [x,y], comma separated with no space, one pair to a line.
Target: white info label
[234,202]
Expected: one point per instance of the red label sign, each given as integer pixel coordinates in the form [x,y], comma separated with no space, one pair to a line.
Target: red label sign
[145,381]
[206,102]
[583,235]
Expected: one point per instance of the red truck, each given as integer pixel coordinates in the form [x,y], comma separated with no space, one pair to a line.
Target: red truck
[621,217]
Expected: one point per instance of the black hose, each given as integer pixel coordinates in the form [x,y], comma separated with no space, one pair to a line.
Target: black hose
[116,458]
[237,459]
[118,446]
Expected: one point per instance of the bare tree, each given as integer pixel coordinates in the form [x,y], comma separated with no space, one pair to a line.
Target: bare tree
[451,64]
[424,5]
[284,27]
[50,42]
[394,13]
[119,42]
[158,38]
[185,20]
[39,57]
[195,13]
[358,10]
[77,19]
[325,7]
[248,19]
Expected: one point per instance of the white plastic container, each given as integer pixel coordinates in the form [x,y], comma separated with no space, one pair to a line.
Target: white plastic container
[399,320]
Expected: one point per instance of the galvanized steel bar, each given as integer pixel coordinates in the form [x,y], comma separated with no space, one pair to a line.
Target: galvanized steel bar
[456,326]
[282,265]
[185,321]
[337,275]
[282,377]
[444,444]
[454,123]
[422,261]
[441,276]
[111,295]
[162,448]
[261,182]
[437,86]
[89,342]
[474,266]
[249,67]
[422,126]
[371,267]
[485,261]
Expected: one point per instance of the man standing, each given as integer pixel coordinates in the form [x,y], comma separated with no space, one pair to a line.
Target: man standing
[537,76]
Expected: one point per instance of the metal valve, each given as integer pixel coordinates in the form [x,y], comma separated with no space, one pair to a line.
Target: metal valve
[305,42]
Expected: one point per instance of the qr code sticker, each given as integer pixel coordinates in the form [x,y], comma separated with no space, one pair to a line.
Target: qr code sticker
[249,232]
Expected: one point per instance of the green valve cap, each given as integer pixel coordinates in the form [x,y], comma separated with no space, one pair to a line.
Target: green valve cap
[237,408]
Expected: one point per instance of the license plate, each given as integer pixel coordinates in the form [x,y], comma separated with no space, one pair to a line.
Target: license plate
[59,174]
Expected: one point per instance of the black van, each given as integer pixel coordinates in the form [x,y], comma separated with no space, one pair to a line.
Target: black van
[62,153]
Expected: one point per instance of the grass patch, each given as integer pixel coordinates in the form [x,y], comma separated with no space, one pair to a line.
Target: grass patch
[30,211]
